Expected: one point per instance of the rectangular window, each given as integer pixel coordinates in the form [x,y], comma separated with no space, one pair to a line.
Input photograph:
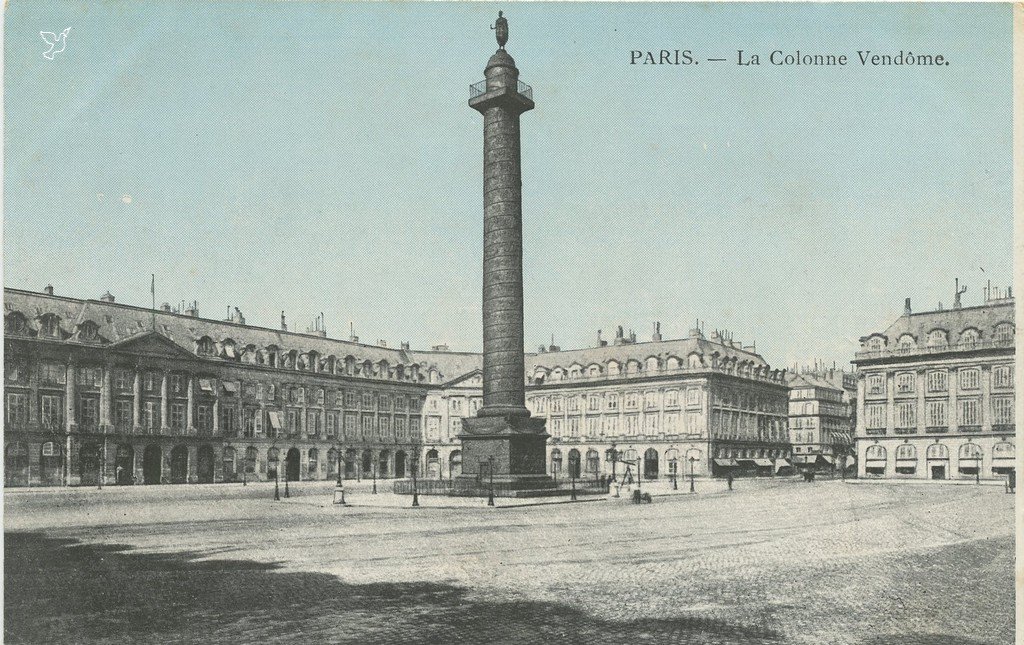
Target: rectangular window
[367,426]
[89,411]
[384,426]
[177,413]
[454,428]
[611,425]
[692,397]
[672,422]
[332,424]
[906,414]
[176,384]
[314,423]
[651,424]
[271,392]
[455,405]
[228,426]
[632,425]
[1002,410]
[593,426]
[51,415]
[612,401]
[90,376]
[124,380]
[249,417]
[16,412]
[905,382]
[542,404]
[259,391]
[52,374]
[123,414]
[351,423]
[969,379]
[556,404]
[937,381]
[556,427]
[433,428]
[937,416]
[573,403]
[632,401]
[350,399]
[874,416]
[384,402]
[204,418]
[151,415]
[876,384]
[968,412]
[368,400]
[400,427]
[321,396]
[1002,376]
[574,426]
[650,400]
[301,391]
[151,382]
[671,398]
[399,403]
[414,427]
[292,422]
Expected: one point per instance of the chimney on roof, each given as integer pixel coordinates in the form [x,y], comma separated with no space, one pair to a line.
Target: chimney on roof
[906,307]
[440,348]
[352,332]
[284,325]
[541,349]
[657,332]
[600,343]
[192,309]
[107,297]
[553,347]
[48,289]
[381,342]
[239,318]
[165,306]
[405,345]
[632,336]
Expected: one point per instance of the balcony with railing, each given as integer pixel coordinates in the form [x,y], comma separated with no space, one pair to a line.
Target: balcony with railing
[480,88]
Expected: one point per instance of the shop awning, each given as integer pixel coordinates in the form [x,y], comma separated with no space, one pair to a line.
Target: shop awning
[746,461]
[275,419]
[828,458]
[725,462]
[782,463]
[230,387]
[206,385]
[764,462]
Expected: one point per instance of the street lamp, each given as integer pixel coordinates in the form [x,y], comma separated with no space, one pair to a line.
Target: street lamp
[277,492]
[692,461]
[373,468]
[490,494]
[675,475]
[415,491]
[572,478]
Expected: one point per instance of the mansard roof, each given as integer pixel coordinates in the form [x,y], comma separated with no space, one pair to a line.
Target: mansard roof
[640,352]
[984,318]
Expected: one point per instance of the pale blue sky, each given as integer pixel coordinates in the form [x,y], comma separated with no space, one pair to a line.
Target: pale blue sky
[321,157]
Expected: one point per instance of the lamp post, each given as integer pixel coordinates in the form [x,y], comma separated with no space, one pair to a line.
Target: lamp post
[675,476]
[490,494]
[415,467]
[277,492]
[572,478]
[373,468]
[692,460]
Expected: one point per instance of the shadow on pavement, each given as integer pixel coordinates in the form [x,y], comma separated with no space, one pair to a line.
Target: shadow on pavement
[59,590]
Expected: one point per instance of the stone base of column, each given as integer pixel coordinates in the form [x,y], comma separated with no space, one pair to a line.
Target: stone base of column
[518,447]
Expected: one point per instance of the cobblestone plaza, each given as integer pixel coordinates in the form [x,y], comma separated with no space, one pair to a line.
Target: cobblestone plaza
[770,562]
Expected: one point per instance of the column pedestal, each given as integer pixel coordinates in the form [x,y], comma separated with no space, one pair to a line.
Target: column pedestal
[517,446]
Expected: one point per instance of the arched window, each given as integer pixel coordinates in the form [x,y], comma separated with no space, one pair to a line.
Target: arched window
[575,371]
[653,364]
[970,451]
[556,462]
[49,326]
[672,363]
[937,451]
[613,368]
[15,323]
[1004,450]
[876,344]
[205,346]
[937,338]
[970,337]
[228,463]
[632,367]
[907,341]
[594,370]
[1004,332]
[875,453]
[906,452]
[313,459]
[694,360]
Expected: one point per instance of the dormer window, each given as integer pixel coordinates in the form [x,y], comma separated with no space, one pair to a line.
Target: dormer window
[937,338]
[229,349]
[906,342]
[206,347]
[876,343]
[969,337]
[1004,332]
[49,326]
[15,323]
[88,331]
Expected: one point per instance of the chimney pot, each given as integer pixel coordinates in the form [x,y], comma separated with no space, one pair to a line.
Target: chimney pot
[284,325]
[48,290]
[107,297]
[906,307]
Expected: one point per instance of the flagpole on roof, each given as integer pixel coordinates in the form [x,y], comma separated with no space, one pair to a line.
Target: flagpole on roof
[152,291]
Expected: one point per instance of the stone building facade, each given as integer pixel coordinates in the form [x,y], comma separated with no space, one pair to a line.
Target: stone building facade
[654,404]
[935,394]
[99,391]
[822,405]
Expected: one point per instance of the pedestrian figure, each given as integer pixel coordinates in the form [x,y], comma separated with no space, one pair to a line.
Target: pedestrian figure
[117,475]
[728,480]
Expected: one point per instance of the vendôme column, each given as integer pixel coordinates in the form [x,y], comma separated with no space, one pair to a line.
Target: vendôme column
[503,434]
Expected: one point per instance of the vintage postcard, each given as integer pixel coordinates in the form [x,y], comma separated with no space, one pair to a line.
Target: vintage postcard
[524,322]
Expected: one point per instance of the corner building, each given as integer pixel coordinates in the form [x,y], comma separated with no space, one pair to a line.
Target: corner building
[935,395]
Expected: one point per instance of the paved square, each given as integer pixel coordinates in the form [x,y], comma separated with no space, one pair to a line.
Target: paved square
[772,562]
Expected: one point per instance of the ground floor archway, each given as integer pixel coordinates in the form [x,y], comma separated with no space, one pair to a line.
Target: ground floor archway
[351,459]
[90,457]
[16,464]
[204,464]
[383,461]
[433,465]
[51,464]
[151,459]
[455,464]
[291,465]
[400,464]
[179,465]
[124,465]
[574,463]
[651,464]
